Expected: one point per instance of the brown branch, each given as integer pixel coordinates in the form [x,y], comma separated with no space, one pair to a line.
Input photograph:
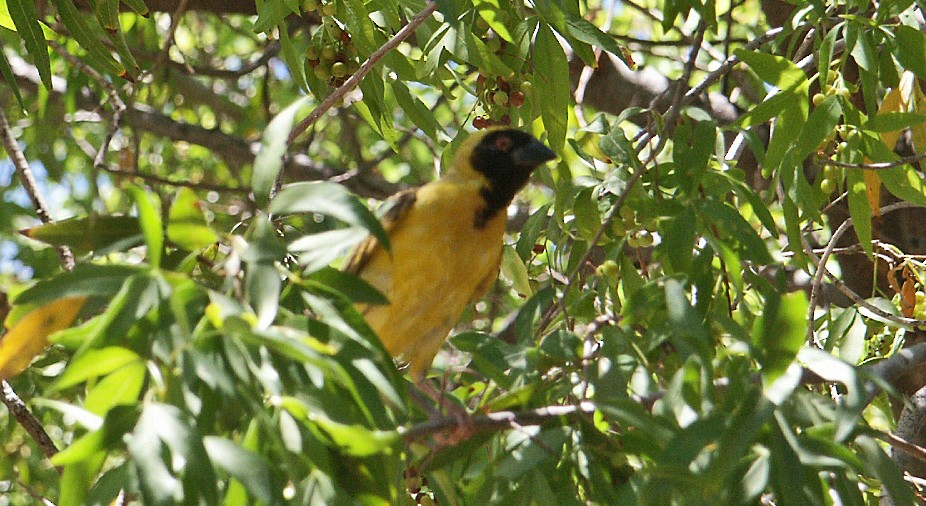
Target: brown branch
[500,420]
[364,69]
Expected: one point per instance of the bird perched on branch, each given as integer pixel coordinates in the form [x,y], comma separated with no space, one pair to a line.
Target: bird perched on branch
[446,244]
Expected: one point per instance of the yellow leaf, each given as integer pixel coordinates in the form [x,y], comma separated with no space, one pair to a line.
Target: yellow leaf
[873,184]
[29,337]
[918,131]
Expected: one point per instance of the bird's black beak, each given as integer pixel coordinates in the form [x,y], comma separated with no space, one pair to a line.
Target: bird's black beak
[532,154]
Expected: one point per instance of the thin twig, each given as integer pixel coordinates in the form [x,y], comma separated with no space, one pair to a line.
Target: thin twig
[364,69]
[873,166]
[118,104]
[916,451]
[29,422]
[840,284]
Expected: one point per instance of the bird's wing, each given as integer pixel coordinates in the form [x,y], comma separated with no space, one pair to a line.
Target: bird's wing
[401,203]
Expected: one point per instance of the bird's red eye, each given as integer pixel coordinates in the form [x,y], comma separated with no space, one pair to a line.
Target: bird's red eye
[503,143]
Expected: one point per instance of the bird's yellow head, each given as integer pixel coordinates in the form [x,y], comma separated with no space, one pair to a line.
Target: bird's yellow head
[502,159]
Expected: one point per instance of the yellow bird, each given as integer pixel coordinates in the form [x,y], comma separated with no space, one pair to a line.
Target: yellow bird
[446,244]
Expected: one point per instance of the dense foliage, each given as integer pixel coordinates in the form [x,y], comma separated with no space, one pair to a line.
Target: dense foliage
[662,332]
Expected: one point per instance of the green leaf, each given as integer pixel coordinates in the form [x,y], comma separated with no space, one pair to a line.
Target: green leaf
[88,37]
[417,112]
[273,144]
[138,6]
[775,70]
[329,199]
[162,433]
[293,61]
[86,279]
[735,232]
[490,10]
[95,363]
[820,125]
[122,386]
[262,280]
[187,225]
[860,208]
[356,439]
[107,12]
[893,121]
[910,49]
[26,19]
[11,80]
[780,332]
[551,84]
[115,425]
[271,13]
[353,287]
[246,466]
[91,233]
[514,270]
[149,217]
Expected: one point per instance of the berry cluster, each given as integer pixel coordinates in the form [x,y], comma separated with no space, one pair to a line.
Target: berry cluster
[497,95]
[332,57]
[628,224]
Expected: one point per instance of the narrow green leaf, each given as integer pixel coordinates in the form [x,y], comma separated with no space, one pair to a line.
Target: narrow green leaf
[910,49]
[780,332]
[417,112]
[551,82]
[775,70]
[820,125]
[149,218]
[490,11]
[91,233]
[269,159]
[95,363]
[860,208]
[735,232]
[893,121]
[138,6]
[26,19]
[246,466]
[7,72]
[121,387]
[87,37]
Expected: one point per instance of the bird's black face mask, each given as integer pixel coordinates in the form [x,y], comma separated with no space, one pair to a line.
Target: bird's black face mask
[506,158]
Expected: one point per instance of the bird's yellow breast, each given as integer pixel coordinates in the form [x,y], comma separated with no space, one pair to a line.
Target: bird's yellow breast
[440,261]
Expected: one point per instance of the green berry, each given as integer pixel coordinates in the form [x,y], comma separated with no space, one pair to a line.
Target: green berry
[494,44]
[828,186]
[328,53]
[500,98]
[818,99]
[322,72]
[310,5]
[339,69]
[312,52]
[329,9]
[352,66]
